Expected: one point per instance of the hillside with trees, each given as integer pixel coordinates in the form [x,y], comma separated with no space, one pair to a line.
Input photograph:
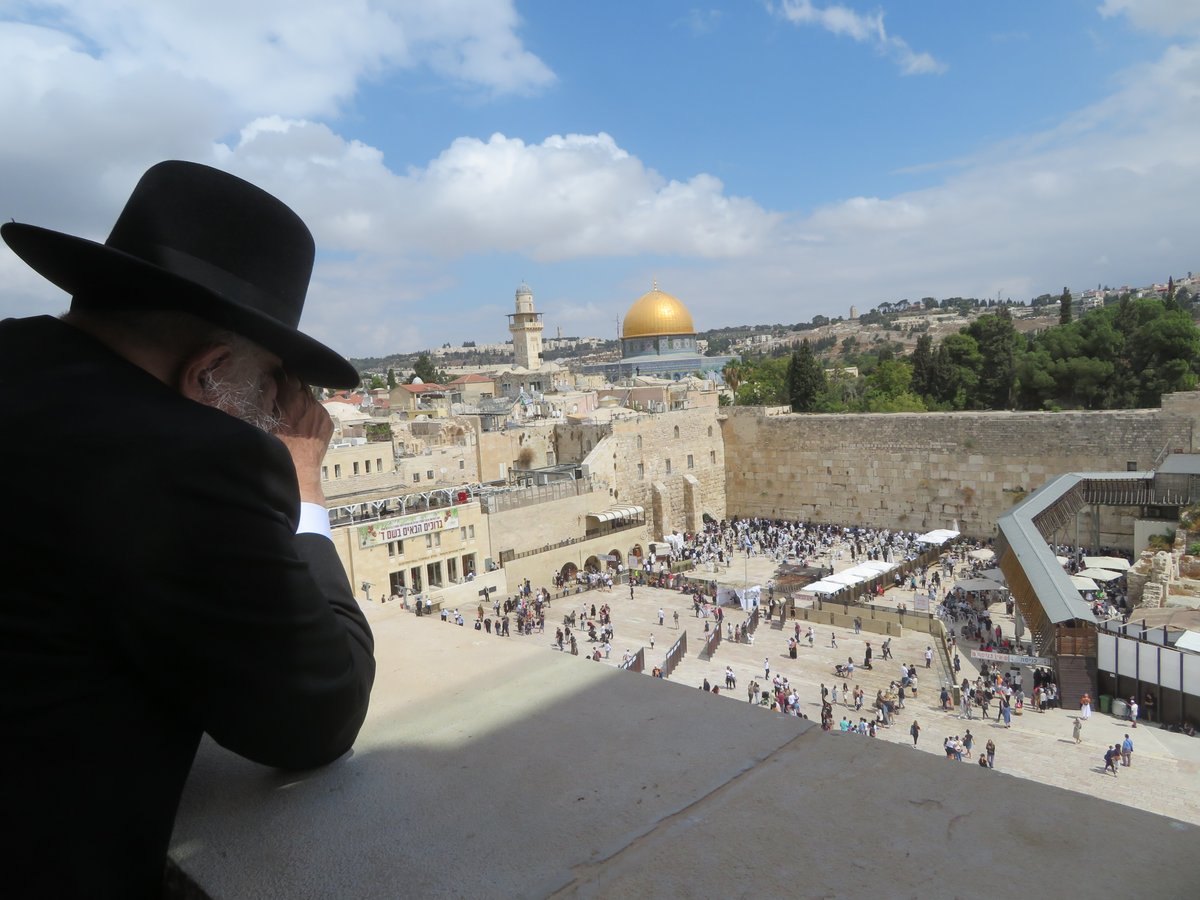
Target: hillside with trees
[1124,355]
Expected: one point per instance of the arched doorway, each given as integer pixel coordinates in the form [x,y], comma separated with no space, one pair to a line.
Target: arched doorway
[569,571]
[614,558]
[592,564]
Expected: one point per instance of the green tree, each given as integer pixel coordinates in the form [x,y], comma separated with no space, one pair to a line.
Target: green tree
[424,369]
[1170,304]
[1064,307]
[391,378]
[764,383]
[805,378]
[999,346]
[956,371]
[922,366]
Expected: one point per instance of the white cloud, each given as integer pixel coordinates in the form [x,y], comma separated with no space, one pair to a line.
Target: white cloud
[569,196]
[291,57]
[1167,17]
[865,28]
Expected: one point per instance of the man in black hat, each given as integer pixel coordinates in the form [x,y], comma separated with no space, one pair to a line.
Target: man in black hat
[167,565]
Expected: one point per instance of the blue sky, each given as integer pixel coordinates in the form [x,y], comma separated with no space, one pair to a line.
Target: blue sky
[766,162]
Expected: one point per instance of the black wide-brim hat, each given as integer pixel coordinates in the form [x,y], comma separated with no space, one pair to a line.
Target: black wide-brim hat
[198,240]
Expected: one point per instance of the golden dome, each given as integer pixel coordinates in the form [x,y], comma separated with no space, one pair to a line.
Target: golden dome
[657,313]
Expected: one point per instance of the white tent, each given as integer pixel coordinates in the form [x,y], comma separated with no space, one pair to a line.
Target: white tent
[937,536]
[1189,640]
[1083,584]
[994,574]
[822,587]
[1106,562]
[984,553]
[847,577]
[979,584]
[1100,574]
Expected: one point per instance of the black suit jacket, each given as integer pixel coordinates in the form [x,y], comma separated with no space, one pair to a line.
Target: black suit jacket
[151,588]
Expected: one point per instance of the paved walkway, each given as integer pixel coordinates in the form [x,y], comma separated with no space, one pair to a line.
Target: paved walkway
[1038,746]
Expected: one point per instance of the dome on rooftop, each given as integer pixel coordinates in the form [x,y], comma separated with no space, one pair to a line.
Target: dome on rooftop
[657,313]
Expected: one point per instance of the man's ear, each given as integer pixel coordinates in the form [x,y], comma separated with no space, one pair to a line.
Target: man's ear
[194,372]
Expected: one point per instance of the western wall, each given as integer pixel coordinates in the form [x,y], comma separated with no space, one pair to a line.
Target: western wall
[917,471]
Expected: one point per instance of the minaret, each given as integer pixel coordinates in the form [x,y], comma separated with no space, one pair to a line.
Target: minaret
[526,328]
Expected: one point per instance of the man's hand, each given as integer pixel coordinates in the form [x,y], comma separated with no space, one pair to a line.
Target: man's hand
[305,429]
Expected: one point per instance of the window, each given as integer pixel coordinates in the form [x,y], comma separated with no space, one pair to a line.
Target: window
[428,541]
[639,442]
[429,475]
[710,431]
[712,457]
[452,569]
[676,433]
[434,573]
[324,473]
[462,463]
[396,548]
[355,468]
[668,467]
[368,467]
[1131,465]
[378,464]
[471,532]
[337,470]
[691,463]
[641,471]
[437,538]
[416,477]
[462,533]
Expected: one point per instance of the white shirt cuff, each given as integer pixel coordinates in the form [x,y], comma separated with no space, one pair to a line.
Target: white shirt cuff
[314,519]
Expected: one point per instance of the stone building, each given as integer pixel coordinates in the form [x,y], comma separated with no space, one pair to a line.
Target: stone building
[526,326]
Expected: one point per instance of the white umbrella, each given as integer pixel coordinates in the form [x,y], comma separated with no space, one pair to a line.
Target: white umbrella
[979,584]
[1083,584]
[1100,574]
[985,553]
[1106,562]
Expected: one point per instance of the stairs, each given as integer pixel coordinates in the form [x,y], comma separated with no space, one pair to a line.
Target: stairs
[1076,676]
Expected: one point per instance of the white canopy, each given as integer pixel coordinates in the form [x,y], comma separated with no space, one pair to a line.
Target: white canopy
[1062,560]
[937,536]
[1083,584]
[994,574]
[846,577]
[1106,562]
[979,584]
[823,587]
[619,512]
[1189,640]
[984,553]
[1100,574]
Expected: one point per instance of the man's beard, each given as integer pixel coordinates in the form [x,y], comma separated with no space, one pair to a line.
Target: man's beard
[242,394]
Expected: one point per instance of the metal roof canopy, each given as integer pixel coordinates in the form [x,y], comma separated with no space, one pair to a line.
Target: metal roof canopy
[618,512]
[1026,552]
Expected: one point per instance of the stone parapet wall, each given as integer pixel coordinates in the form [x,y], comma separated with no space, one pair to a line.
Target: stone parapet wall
[918,471]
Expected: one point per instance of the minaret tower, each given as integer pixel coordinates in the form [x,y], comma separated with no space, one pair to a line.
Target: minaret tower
[526,327]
